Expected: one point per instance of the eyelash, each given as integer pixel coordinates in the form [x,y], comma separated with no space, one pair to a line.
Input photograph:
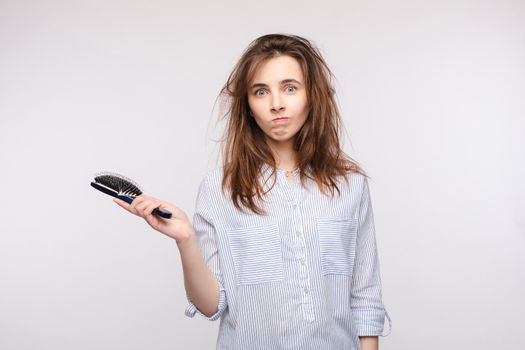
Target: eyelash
[286,87]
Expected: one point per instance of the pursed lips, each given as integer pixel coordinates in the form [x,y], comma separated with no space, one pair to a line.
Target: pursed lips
[280,119]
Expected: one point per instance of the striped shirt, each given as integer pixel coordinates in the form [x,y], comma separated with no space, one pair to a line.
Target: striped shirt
[306,276]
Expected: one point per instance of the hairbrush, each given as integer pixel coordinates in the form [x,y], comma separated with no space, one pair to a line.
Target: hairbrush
[123,188]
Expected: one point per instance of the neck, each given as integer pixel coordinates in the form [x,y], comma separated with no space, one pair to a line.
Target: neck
[285,156]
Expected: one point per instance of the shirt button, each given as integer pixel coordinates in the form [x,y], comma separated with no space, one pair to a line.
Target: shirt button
[298,233]
[294,206]
[302,262]
[305,290]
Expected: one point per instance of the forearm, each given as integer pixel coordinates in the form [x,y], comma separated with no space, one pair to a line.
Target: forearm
[200,283]
[369,343]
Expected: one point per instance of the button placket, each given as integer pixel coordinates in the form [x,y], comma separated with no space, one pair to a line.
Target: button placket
[293,196]
[302,257]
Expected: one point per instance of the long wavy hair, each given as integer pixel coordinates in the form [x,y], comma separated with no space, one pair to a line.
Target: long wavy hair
[317,144]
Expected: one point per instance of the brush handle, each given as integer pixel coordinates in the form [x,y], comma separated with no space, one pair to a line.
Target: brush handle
[157,211]
[162,213]
[125,198]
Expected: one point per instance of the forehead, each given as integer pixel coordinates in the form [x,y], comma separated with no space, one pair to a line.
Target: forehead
[277,69]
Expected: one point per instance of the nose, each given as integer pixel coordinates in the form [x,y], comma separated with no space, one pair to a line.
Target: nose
[277,103]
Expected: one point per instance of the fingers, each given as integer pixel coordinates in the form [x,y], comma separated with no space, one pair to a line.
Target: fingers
[132,208]
[138,205]
[124,205]
[144,205]
[178,227]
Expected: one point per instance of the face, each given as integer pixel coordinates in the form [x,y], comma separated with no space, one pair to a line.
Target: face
[277,99]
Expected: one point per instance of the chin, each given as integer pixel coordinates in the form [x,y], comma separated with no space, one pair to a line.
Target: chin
[282,139]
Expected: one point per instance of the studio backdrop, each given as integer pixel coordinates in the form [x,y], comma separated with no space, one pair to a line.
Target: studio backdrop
[432,96]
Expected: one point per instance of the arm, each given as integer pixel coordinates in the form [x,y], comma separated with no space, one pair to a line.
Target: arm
[200,283]
[201,264]
[366,300]
[197,247]
[369,343]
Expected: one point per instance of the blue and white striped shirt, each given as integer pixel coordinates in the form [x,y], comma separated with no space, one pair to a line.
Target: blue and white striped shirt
[306,276]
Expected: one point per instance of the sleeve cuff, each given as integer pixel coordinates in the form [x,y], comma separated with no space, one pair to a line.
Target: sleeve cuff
[191,309]
[370,322]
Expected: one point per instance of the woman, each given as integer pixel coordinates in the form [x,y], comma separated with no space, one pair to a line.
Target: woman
[282,247]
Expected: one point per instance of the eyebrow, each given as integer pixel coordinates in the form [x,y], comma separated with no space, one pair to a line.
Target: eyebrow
[282,82]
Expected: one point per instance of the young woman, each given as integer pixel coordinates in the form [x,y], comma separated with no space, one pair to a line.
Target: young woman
[282,247]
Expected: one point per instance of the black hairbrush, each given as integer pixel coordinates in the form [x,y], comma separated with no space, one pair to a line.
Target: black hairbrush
[121,187]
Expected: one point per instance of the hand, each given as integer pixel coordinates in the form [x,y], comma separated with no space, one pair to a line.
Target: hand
[178,227]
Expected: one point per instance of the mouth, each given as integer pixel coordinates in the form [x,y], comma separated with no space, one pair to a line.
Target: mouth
[280,120]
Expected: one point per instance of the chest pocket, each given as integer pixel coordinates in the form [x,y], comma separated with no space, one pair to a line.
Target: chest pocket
[337,242]
[257,254]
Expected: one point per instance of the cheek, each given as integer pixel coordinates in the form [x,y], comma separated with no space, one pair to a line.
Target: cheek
[301,109]
[258,120]
[254,106]
[300,103]
[304,114]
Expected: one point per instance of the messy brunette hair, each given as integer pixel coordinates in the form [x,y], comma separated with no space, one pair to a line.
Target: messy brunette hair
[317,143]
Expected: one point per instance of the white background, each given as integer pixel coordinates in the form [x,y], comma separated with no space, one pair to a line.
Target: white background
[433,99]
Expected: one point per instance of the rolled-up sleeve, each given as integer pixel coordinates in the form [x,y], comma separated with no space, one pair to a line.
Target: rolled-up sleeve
[206,238]
[191,309]
[368,311]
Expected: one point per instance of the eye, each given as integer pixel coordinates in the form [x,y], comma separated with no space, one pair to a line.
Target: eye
[257,93]
[290,88]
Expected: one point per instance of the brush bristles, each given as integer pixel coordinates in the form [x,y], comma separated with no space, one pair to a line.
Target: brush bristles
[119,183]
